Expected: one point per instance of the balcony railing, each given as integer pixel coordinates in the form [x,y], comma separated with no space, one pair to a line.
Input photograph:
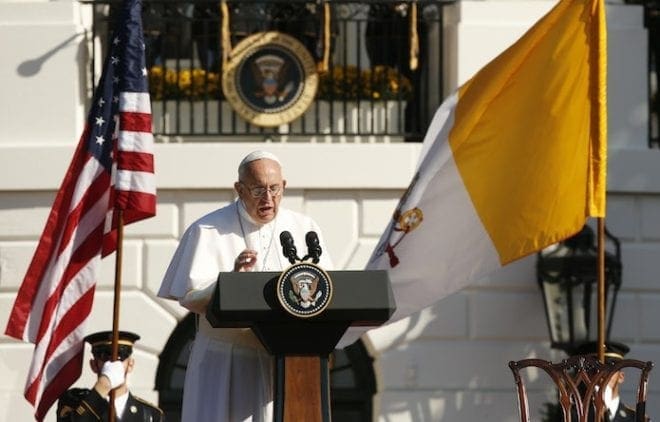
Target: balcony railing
[652,24]
[367,92]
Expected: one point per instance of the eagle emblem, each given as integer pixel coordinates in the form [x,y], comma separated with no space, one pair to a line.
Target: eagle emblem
[270,79]
[304,289]
[270,73]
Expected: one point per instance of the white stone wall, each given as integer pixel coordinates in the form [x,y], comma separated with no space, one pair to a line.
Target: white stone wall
[447,363]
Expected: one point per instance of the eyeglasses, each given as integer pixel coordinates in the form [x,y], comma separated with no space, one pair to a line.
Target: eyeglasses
[260,192]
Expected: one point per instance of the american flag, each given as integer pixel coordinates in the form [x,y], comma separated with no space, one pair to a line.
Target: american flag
[112,169]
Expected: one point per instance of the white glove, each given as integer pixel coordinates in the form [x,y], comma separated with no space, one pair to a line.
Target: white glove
[114,371]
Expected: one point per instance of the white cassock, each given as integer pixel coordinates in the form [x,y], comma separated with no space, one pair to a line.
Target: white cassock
[229,374]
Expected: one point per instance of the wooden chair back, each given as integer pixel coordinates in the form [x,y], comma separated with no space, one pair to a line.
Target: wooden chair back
[580,382]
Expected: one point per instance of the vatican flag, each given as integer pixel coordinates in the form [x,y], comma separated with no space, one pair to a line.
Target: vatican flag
[513,161]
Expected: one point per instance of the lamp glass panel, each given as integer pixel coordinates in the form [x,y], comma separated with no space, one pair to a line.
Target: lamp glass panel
[580,327]
[555,301]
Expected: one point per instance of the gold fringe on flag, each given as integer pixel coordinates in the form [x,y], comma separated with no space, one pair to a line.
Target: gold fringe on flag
[324,65]
[225,34]
[414,38]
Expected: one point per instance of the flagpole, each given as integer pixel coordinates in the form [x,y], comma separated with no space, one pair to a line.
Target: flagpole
[600,74]
[601,289]
[115,309]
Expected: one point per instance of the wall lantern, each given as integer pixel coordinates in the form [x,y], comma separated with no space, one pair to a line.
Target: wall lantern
[567,276]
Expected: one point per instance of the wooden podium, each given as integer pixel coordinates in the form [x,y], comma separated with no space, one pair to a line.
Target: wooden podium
[300,346]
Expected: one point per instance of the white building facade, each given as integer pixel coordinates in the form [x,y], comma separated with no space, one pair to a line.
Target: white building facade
[446,363]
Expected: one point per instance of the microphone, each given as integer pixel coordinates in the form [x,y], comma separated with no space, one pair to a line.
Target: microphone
[288,248]
[313,247]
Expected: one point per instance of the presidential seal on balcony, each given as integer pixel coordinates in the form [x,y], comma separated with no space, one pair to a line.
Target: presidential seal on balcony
[304,290]
[270,79]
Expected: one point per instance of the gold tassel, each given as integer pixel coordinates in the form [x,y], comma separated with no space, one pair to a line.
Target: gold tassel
[225,34]
[414,38]
[324,65]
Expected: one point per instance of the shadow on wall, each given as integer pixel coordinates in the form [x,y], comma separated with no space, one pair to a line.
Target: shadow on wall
[31,67]
[438,378]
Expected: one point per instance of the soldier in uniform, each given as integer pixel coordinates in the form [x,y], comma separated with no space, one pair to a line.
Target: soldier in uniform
[617,411]
[83,404]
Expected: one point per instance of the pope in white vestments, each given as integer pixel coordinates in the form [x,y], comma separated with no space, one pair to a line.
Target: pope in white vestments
[229,375]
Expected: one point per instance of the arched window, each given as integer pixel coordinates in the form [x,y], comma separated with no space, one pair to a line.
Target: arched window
[172,368]
[352,380]
[352,384]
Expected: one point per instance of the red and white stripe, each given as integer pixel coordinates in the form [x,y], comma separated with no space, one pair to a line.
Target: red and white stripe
[56,296]
[134,183]
[57,293]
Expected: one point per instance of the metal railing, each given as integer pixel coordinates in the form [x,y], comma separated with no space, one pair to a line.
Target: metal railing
[368,91]
[652,24]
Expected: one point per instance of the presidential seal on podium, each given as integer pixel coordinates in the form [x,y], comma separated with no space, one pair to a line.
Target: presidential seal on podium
[270,79]
[304,289]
